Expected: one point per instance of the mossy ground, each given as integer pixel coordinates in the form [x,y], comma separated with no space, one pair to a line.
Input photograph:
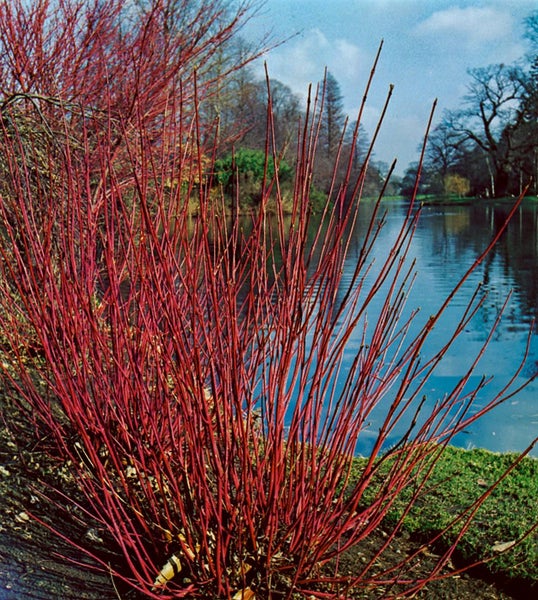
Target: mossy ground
[33,562]
[506,519]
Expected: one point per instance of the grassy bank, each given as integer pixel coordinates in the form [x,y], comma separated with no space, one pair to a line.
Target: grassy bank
[460,478]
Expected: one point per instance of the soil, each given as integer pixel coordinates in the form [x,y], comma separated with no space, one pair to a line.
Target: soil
[37,565]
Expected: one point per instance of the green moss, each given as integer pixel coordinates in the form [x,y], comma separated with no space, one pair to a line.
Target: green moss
[507,514]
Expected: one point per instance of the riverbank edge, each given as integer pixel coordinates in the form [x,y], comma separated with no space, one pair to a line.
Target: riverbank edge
[467,474]
[504,531]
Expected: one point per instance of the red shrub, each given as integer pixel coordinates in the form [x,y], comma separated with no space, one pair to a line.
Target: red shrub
[189,370]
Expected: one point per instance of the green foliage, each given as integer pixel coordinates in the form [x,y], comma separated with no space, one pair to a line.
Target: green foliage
[250,168]
[250,165]
[318,200]
[244,172]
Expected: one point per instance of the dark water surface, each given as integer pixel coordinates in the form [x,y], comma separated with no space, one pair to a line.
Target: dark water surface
[446,243]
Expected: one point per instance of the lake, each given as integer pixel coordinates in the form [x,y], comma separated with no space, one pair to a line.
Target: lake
[446,243]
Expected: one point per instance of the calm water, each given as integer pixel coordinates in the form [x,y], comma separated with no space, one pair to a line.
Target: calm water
[446,243]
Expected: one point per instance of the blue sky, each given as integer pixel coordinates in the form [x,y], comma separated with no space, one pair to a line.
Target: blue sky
[428,47]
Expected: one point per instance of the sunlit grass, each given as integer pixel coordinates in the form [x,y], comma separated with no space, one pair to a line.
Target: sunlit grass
[458,479]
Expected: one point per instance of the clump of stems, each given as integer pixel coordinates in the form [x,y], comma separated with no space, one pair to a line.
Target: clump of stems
[190,370]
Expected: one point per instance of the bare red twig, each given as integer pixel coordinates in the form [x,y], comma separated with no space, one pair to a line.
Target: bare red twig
[191,370]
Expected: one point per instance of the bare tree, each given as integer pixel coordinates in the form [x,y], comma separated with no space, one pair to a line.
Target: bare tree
[445,148]
[490,117]
[531,98]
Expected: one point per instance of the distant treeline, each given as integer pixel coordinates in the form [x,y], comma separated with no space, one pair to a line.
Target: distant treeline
[489,146]
[241,108]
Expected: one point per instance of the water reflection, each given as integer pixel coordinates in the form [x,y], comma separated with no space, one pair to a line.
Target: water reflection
[447,241]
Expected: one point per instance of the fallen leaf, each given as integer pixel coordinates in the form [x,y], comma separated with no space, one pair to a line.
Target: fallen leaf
[502,546]
[171,568]
[22,517]
[245,594]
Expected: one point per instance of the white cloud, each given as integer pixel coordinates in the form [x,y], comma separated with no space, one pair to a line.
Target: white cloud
[349,59]
[302,61]
[470,25]
[429,46]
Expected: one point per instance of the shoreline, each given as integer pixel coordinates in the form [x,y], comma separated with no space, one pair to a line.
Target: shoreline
[31,565]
